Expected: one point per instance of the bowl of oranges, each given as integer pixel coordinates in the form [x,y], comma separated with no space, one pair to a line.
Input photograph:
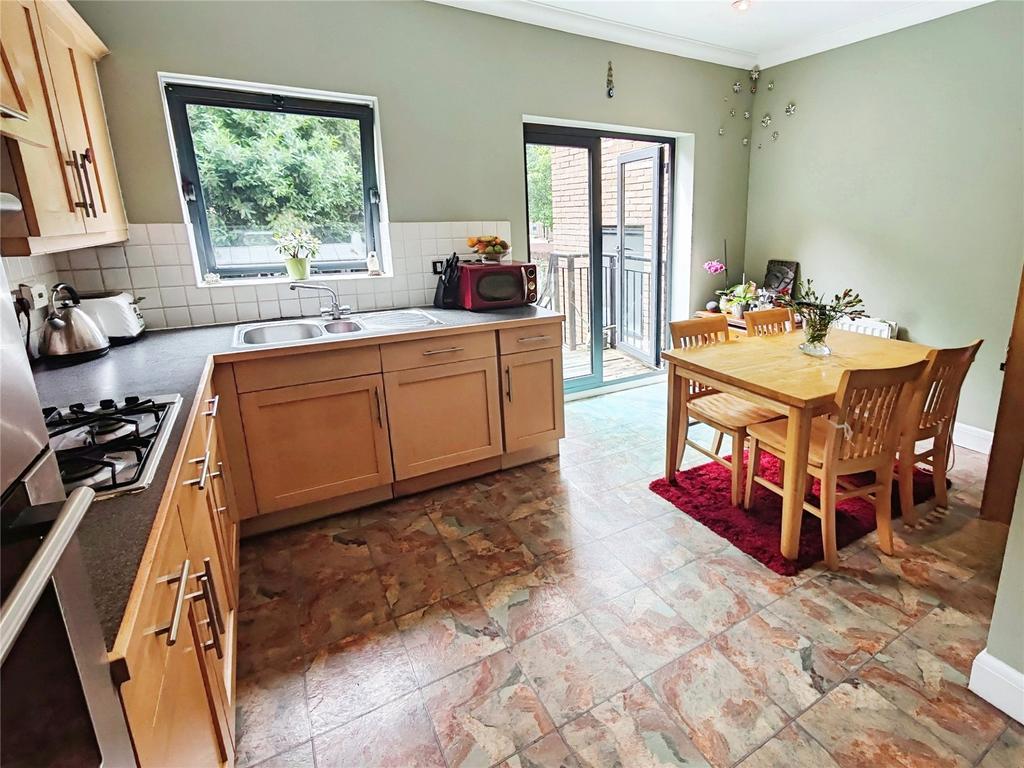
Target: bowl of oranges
[489,247]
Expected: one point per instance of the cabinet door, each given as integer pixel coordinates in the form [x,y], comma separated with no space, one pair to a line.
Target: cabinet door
[77,91]
[532,400]
[316,441]
[165,698]
[22,90]
[214,613]
[443,416]
[38,173]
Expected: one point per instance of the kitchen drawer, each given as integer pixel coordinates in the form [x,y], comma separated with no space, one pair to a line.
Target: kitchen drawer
[404,355]
[308,368]
[529,337]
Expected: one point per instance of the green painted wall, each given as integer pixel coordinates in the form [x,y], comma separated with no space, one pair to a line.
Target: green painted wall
[902,175]
[453,87]
[1006,634]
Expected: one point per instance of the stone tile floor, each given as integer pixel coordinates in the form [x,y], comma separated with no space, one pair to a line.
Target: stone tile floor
[560,614]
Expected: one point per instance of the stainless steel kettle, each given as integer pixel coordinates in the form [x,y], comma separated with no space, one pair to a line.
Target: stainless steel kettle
[69,334]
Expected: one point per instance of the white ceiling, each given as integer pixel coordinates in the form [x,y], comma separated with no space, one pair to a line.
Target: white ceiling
[770,32]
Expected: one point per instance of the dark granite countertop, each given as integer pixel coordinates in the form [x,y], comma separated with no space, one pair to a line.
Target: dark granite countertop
[114,533]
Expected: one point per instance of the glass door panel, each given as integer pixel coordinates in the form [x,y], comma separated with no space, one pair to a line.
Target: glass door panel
[560,181]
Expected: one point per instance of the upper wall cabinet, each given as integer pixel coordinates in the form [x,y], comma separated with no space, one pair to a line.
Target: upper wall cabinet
[56,148]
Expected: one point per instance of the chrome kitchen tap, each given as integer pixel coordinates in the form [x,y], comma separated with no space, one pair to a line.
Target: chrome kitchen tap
[336,311]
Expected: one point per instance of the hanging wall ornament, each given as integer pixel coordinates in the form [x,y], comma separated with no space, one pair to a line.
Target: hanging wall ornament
[775,135]
[791,109]
[746,141]
[771,85]
[737,87]
[732,113]
[766,120]
[746,115]
[721,131]
[609,82]
[755,73]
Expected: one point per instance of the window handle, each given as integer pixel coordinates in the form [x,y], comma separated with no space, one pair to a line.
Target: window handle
[188,191]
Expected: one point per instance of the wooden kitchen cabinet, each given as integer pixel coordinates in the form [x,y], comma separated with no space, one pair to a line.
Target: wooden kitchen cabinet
[313,442]
[165,695]
[532,398]
[59,163]
[443,416]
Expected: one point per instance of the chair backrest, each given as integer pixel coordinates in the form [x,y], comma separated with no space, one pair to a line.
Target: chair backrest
[699,332]
[939,390]
[871,409]
[869,326]
[768,322]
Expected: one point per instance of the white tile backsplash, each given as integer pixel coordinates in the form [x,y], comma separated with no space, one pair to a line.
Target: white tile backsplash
[32,270]
[157,263]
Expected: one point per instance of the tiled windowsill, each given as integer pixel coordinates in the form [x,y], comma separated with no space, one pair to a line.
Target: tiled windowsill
[231,282]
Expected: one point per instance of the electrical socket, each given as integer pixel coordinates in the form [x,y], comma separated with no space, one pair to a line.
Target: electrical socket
[437,266]
[39,296]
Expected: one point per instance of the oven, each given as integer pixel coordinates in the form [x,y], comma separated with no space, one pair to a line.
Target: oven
[484,287]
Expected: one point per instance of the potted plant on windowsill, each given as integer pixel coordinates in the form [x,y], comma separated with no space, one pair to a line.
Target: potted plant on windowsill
[818,315]
[297,247]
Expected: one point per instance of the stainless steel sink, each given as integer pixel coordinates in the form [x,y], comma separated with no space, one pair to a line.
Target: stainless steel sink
[342,326]
[278,333]
[398,320]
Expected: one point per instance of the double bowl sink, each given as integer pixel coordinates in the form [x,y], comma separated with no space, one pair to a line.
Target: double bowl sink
[309,329]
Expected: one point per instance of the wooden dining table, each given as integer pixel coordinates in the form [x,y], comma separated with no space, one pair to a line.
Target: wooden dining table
[772,372]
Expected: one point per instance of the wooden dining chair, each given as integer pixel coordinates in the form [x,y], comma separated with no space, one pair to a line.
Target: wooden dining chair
[861,436]
[932,415]
[724,413]
[769,322]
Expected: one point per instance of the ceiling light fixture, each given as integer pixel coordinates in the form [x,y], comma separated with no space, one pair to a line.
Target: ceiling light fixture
[741,5]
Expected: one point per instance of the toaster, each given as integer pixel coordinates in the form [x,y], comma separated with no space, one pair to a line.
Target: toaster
[117,315]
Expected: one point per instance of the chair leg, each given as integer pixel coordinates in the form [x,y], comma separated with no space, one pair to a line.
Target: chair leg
[906,481]
[883,510]
[828,520]
[716,447]
[752,467]
[738,439]
[939,461]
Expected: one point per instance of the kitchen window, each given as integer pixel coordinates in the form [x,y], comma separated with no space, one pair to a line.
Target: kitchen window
[257,164]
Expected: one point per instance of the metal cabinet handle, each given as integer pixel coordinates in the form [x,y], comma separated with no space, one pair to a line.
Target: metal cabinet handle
[214,642]
[446,350]
[524,339]
[79,184]
[508,382]
[84,163]
[204,473]
[212,601]
[214,405]
[171,629]
[17,114]
[380,414]
[219,472]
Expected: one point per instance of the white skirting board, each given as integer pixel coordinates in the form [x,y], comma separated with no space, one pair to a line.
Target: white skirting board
[999,684]
[972,438]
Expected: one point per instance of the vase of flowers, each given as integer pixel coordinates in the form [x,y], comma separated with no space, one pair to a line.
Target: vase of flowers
[715,268]
[297,246]
[818,315]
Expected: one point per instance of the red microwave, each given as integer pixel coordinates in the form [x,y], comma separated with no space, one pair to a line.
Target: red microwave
[495,286]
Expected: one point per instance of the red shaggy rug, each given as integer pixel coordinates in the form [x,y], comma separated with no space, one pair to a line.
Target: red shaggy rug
[703,494]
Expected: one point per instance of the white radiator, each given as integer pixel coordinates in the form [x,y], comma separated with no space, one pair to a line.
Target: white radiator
[870,326]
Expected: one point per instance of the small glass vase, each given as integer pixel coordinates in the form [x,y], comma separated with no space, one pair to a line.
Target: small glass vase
[814,335]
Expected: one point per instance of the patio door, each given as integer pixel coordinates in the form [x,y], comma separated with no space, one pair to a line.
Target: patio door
[597,210]
[637,269]
[569,260]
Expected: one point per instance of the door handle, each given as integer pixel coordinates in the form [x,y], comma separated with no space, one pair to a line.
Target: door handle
[204,473]
[508,382]
[79,184]
[86,160]
[171,628]
[446,350]
[380,416]
[214,406]
[524,339]
[210,595]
